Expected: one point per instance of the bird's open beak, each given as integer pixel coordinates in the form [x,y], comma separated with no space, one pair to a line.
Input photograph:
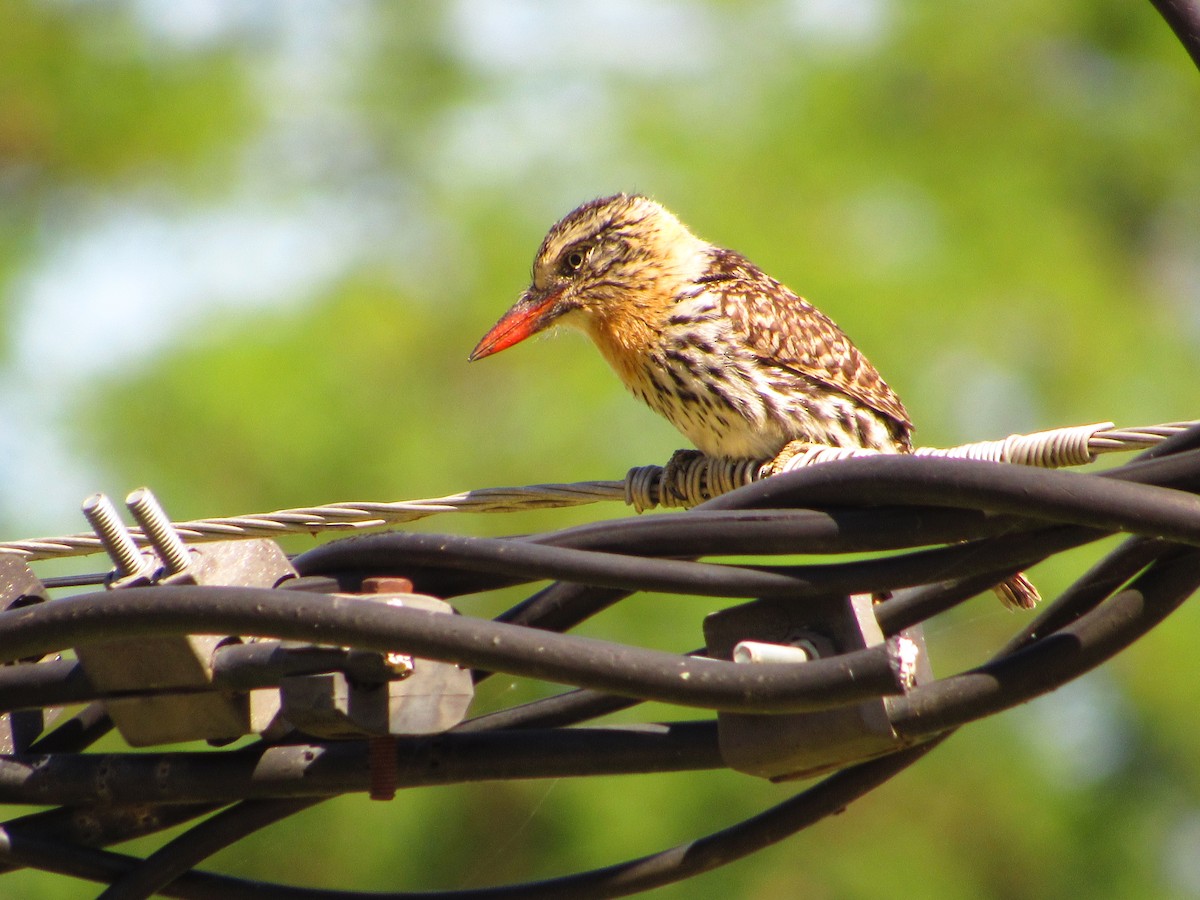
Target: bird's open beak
[529,315]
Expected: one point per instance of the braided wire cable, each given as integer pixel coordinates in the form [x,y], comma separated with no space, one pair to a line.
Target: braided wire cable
[687,481]
[344,516]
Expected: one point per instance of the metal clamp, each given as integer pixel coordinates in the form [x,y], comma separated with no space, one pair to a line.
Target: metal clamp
[429,698]
[782,747]
[20,587]
[184,661]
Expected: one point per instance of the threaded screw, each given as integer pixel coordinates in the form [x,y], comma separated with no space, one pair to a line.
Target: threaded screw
[113,535]
[149,514]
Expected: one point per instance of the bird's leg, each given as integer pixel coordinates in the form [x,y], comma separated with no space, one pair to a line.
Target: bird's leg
[789,452]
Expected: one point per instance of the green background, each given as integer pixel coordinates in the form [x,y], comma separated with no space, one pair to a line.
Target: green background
[245,249]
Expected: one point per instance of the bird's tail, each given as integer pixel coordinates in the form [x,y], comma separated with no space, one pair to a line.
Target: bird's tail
[1018,593]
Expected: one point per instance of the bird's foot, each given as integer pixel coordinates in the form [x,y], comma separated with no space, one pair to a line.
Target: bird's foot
[674,488]
[789,452]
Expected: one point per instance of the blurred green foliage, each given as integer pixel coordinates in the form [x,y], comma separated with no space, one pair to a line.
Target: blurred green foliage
[999,202]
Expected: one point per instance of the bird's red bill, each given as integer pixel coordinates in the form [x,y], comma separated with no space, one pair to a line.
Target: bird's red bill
[525,319]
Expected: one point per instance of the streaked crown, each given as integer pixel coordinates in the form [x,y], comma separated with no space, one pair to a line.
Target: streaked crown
[614,247]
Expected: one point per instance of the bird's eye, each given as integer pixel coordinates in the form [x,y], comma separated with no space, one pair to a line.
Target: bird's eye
[574,261]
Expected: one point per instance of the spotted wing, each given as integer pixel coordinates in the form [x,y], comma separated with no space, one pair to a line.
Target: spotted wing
[786,330]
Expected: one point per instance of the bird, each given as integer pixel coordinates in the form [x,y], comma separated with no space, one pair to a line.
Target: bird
[739,363]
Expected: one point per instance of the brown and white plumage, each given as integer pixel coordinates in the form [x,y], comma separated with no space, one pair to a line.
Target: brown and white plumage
[735,360]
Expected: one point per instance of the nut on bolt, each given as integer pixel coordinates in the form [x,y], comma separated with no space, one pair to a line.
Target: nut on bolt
[400,663]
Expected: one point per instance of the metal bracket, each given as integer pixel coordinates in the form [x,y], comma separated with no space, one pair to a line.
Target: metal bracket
[183,662]
[20,587]
[782,747]
[409,697]
[430,697]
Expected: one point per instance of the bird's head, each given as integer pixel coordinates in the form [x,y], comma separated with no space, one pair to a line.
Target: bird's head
[612,267]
